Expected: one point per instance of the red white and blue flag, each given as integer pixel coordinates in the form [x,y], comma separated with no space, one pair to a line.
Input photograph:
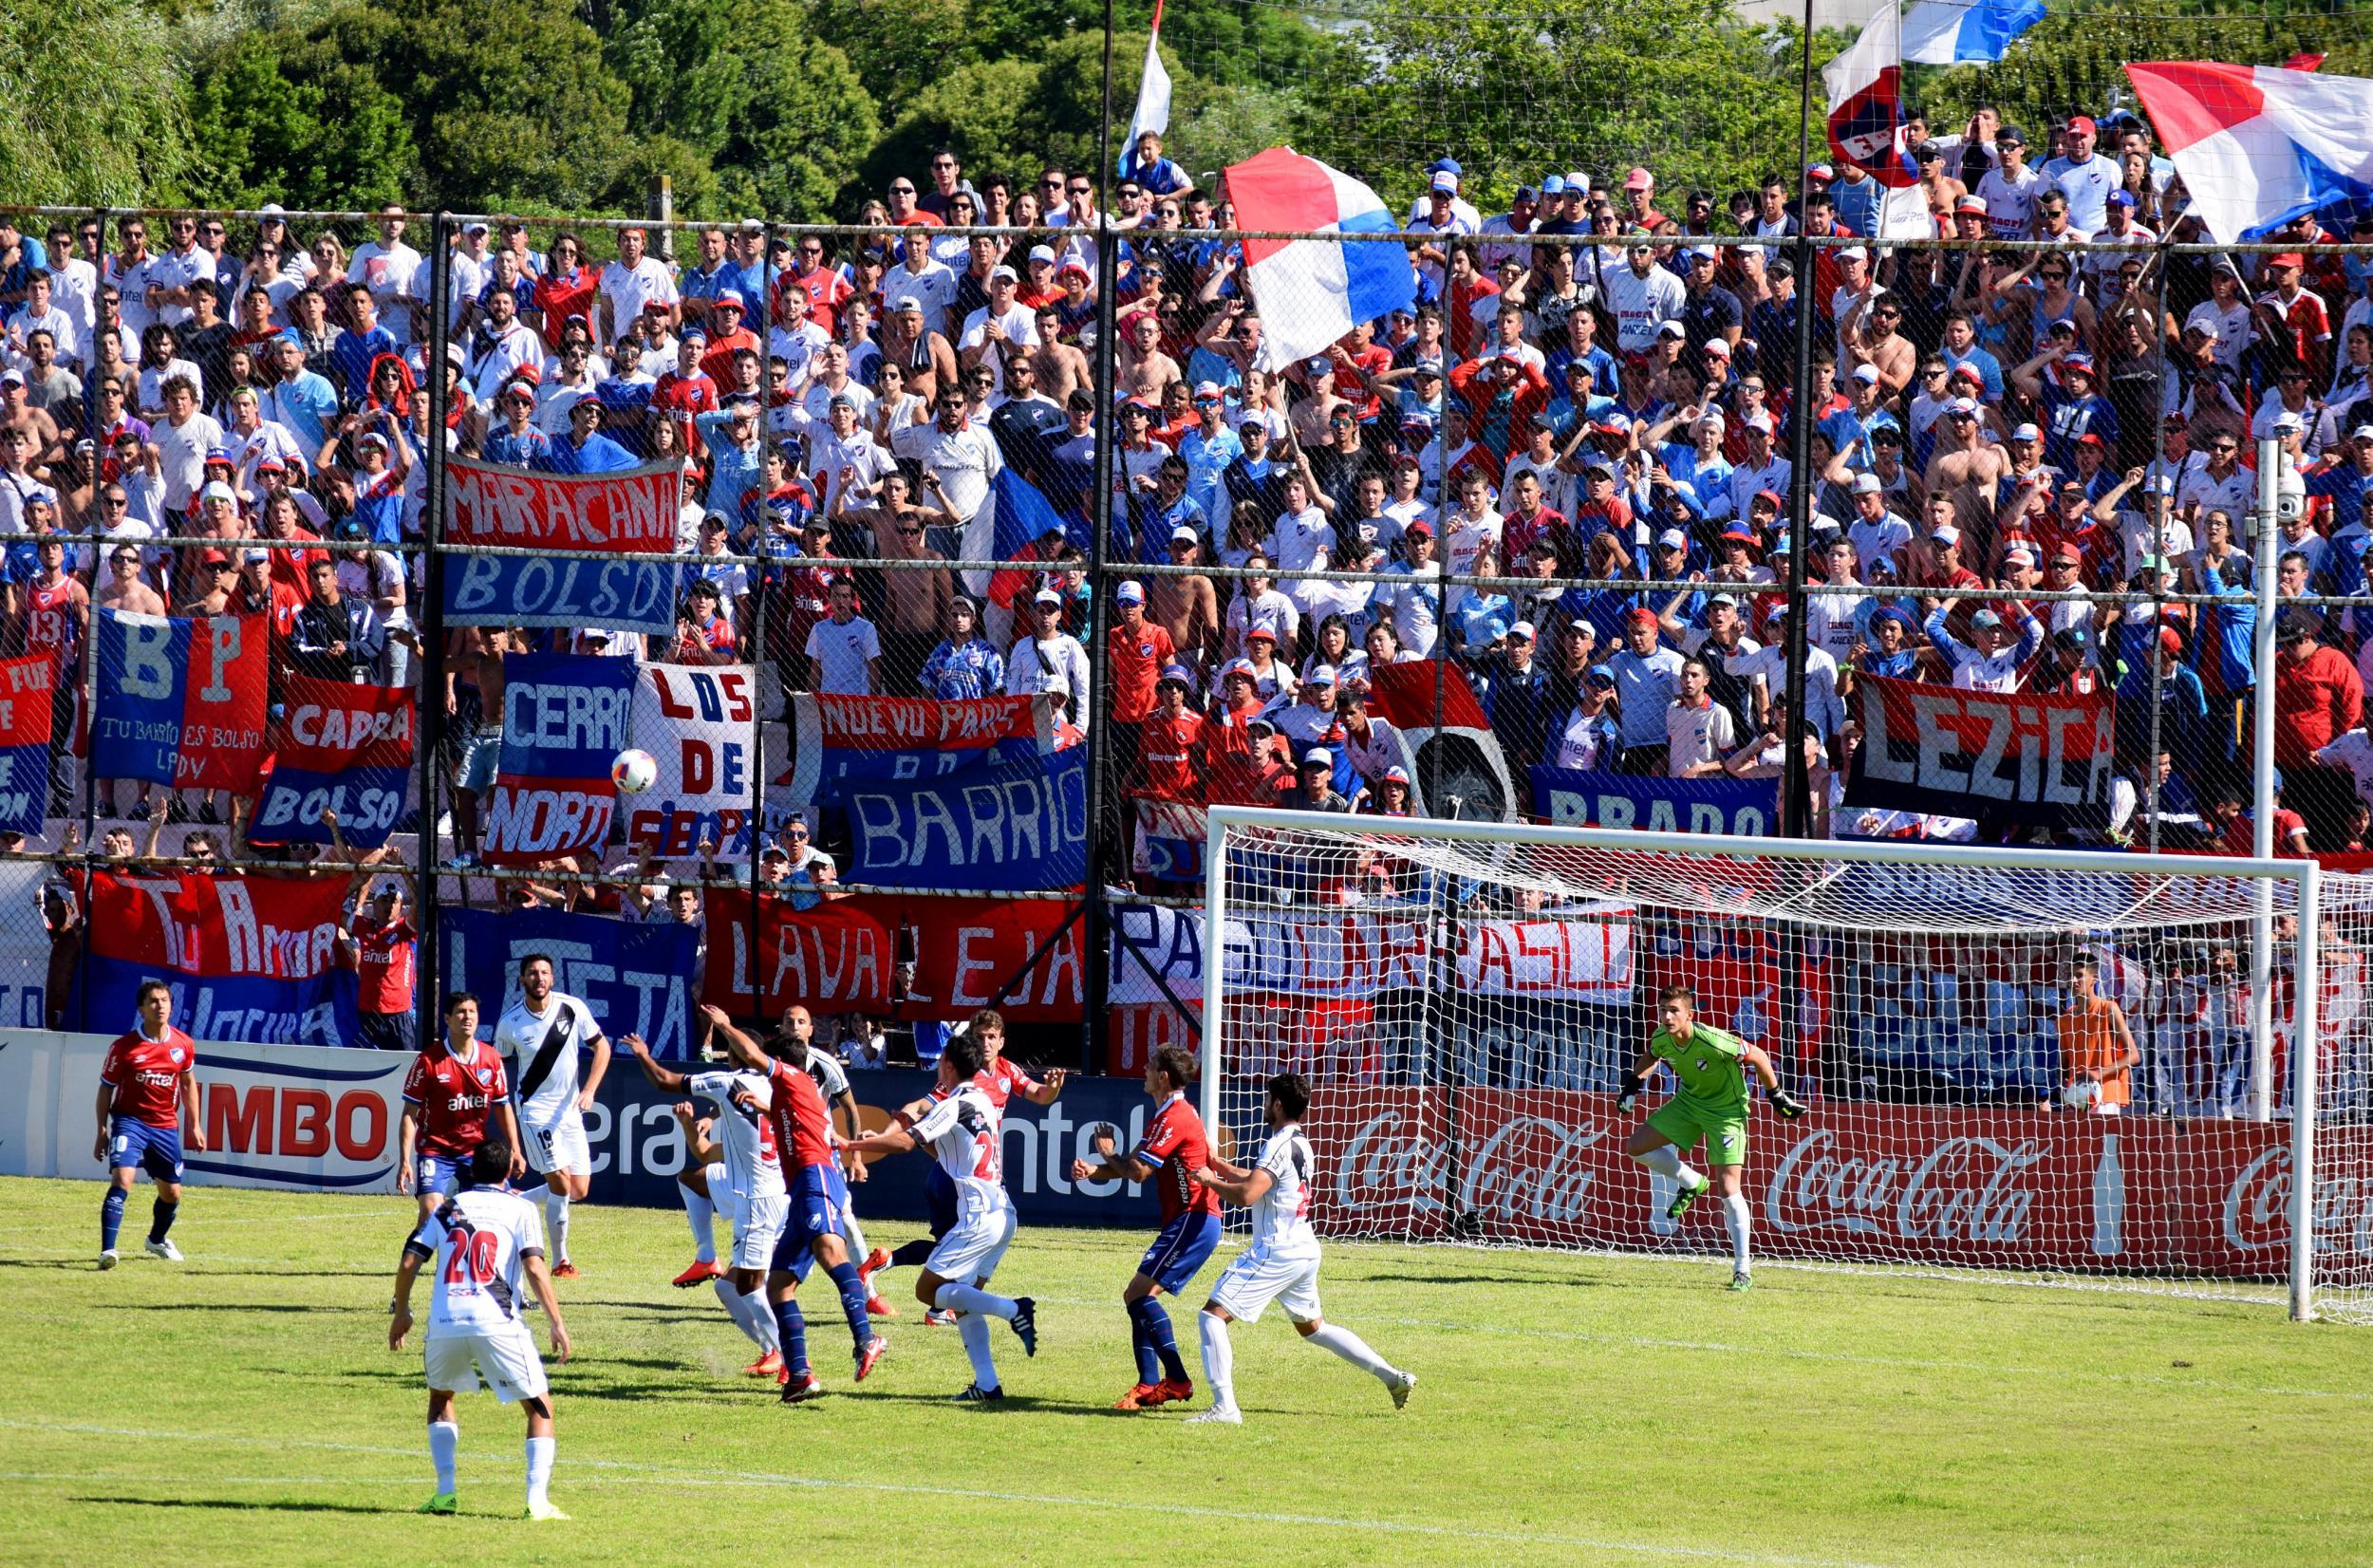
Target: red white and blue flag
[2259,145]
[24,710]
[340,746]
[1312,291]
[1866,120]
[181,702]
[249,959]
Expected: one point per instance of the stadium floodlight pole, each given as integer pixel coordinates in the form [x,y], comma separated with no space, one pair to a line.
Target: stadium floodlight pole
[1094,979]
[2266,541]
[429,755]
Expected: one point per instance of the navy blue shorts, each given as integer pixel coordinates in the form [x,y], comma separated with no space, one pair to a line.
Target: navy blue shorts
[939,1194]
[440,1173]
[1182,1248]
[819,1199]
[155,1150]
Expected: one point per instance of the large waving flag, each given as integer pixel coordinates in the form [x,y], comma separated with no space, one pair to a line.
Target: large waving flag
[1313,291]
[2258,145]
[1153,92]
[1966,33]
[1866,122]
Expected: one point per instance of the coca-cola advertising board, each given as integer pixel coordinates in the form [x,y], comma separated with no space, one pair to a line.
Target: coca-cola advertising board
[2000,1188]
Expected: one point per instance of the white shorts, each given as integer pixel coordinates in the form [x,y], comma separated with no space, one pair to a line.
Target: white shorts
[559,1144]
[969,1253]
[722,1198]
[506,1358]
[1247,1286]
[757,1228]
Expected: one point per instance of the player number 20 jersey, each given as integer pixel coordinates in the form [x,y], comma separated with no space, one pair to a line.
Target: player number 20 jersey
[1280,1217]
[962,1133]
[477,1242]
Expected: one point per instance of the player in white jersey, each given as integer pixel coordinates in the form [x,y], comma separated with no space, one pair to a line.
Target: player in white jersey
[831,1081]
[542,1033]
[961,1131]
[479,1244]
[1282,1265]
[733,1158]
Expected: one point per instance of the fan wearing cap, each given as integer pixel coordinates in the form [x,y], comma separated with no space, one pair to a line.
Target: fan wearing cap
[2346,485]
[1993,662]
[1002,325]
[2141,510]
[965,666]
[1046,658]
[1136,653]
[2292,321]
[1641,294]
[1171,743]
[2072,397]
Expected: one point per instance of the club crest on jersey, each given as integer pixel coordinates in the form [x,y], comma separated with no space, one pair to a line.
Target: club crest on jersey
[175,1055]
[485,1073]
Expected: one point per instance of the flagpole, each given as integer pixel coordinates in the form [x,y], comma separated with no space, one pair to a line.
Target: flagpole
[1093,982]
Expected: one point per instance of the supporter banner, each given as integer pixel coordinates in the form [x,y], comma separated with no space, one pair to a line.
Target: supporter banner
[1474,780]
[633,512]
[26,690]
[840,741]
[1575,797]
[181,701]
[696,723]
[345,747]
[248,957]
[1016,826]
[2020,1189]
[1170,840]
[837,956]
[564,723]
[635,978]
[2014,756]
[969,950]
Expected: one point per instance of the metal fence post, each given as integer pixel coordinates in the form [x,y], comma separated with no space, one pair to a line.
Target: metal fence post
[429,755]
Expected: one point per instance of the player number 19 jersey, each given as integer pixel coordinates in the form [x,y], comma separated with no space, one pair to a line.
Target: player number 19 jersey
[962,1133]
[1280,1217]
[477,1242]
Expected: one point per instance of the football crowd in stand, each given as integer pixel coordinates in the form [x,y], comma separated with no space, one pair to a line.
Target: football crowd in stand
[1595,383]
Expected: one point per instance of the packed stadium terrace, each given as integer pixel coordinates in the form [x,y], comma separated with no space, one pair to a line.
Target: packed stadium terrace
[1595,385]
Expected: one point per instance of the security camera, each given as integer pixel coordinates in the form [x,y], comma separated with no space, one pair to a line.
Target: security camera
[2290,495]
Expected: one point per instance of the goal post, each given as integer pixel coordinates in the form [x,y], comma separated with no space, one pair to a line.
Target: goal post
[1465,996]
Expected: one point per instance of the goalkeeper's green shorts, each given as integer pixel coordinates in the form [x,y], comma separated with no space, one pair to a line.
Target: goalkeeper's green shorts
[1724,1131]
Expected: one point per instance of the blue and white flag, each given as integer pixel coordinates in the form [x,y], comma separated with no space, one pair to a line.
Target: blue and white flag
[1966,33]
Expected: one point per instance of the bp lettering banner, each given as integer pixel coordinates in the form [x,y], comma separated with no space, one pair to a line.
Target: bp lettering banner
[564,725]
[1576,798]
[1015,828]
[344,747]
[841,741]
[27,694]
[838,956]
[2006,756]
[633,512]
[696,723]
[634,976]
[181,701]
[250,958]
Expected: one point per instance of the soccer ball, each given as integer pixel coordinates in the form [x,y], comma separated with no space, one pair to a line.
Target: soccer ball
[634,772]
[2080,1095]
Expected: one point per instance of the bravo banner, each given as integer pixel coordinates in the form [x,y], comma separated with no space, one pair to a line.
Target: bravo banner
[636,979]
[343,747]
[696,723]
[26,693]
[250,958]
[181,701]
[1573,797]
[838,741]
[2003,757]
[1019,827]
[633,512]
[564,725]
[838,956]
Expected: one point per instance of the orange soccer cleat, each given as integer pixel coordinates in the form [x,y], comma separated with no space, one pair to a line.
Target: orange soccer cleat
[1172,1391]
[698,1274]
[769,1365]
[878,1259]
[564,1270]
[1142,1397]
[876,1307]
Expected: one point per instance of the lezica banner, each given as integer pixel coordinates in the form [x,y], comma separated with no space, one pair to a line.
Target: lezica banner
[564,723]
[345,747]
[2037,760]
[696,725]
[633,977]
[250,958]
[27,694]
[632,512]
[181,701]
[838,741]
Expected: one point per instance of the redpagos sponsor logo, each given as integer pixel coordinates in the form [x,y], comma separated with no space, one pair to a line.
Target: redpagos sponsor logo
[1967,1190]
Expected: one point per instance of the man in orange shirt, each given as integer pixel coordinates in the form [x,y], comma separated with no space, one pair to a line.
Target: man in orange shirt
[2095,1044]
[1139,651]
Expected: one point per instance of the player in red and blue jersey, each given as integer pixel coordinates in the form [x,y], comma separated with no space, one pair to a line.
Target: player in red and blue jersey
[1173,1149]
[454,1088]
[147,1089]
[819,1194]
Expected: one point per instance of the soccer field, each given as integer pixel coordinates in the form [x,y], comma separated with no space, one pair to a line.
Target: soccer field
[244,1408]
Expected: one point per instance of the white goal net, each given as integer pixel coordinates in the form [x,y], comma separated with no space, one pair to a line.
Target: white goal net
[1465,1000]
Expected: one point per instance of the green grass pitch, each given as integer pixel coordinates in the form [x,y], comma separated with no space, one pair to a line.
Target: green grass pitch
[243,1407]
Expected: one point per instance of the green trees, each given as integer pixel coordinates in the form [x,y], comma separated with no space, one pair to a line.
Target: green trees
[96,112]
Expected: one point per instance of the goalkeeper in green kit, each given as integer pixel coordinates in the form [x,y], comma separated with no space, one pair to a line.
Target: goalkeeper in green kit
[1711,1066]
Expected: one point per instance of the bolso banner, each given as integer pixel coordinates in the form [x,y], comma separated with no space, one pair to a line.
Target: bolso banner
[564,722]
[345,747]
[636,979]
[2038,760]
[1573,797]
[696,725]
[632,512]
[1019,827]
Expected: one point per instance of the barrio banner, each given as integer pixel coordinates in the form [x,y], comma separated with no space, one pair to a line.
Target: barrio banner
[1573,797]
[1020,827]
[344,747]
[564,723]
[696,723]
[2035,759]
[632,512]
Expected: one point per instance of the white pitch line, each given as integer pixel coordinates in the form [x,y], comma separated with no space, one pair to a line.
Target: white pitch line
[727,1479]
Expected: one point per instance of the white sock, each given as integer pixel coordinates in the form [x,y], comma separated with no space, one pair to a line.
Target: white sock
[1352,1348]
[1219,1361]
[1665,1160]
[761,1313]
[955,1297]
[1736,1215]
[854,1237]
[974,1331]
[556,1220]
[443,1439]
[738,1308]
[540,1469]
[703,1217]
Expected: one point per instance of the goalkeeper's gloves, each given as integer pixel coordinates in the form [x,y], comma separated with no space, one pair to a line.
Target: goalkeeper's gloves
[1628,1095]
[1789,1106]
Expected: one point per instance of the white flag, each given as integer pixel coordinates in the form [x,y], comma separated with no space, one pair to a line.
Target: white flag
[1153,93]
